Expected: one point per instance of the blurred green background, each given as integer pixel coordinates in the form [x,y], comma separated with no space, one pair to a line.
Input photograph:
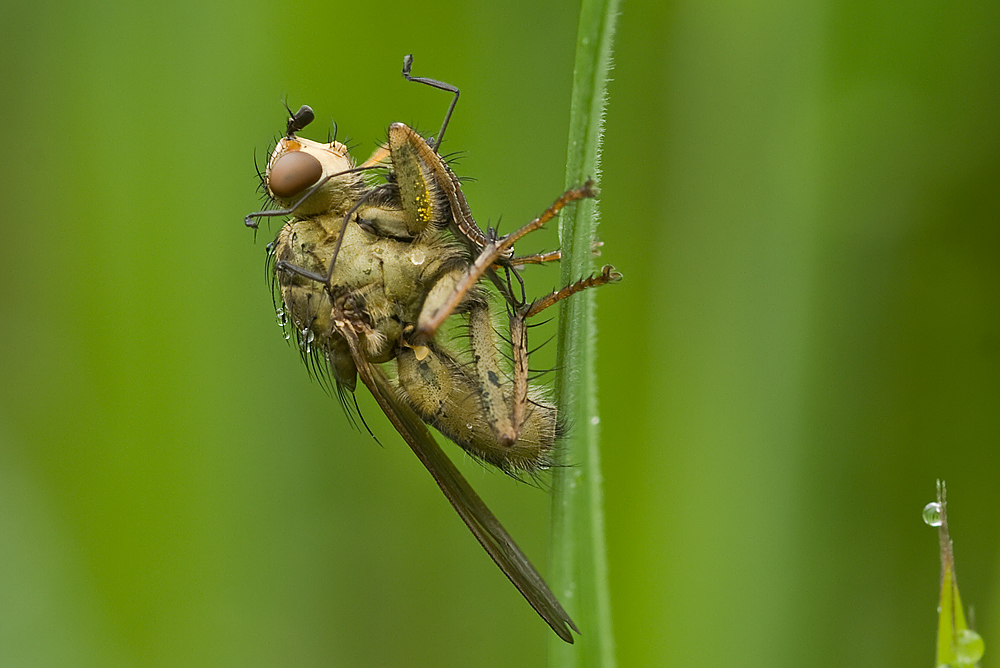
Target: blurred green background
[804,199]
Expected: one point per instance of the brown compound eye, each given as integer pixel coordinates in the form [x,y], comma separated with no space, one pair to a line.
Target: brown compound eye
[292,173]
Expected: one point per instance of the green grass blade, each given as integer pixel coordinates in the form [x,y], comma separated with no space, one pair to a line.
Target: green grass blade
[579,557]
[958,646]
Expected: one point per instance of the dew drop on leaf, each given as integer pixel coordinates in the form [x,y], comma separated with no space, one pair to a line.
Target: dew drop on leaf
[969,648]
[932,514]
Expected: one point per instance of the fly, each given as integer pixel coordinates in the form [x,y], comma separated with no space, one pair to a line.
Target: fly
[368,271]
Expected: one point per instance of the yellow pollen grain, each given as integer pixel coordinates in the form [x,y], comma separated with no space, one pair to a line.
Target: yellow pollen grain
[423,206]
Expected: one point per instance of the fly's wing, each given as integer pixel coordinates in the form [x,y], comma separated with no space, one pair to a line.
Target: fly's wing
[481,522]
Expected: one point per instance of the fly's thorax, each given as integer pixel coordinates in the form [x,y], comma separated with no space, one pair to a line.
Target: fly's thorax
[309,243]
[382,213]
[298,164]
[361,267]
[384,220]
[405,271]
[398,275]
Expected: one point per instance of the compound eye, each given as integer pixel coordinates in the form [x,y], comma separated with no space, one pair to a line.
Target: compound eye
[292,173]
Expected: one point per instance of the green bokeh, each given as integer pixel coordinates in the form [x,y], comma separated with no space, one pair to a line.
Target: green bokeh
[804,199]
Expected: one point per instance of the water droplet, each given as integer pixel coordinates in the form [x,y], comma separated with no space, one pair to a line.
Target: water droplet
[932,514]
[282,316]
[306,338]
[595,420]
[969,648]
[417,257]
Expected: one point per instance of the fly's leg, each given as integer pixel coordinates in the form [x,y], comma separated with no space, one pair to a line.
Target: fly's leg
[506,402]
[493,386]
[434,312]
[607,275]
[425,180]
[283,265]
[426,156]
[485,406]
[508,418]
[537,258]
[551,256]
[407,64]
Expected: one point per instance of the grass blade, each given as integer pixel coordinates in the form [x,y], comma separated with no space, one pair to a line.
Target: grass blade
[579,559]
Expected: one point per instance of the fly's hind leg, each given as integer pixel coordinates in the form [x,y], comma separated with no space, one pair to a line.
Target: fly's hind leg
[513,408]
[502,399]
[608,275]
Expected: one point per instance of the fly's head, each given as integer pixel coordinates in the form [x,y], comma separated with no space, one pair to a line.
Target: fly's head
[310,177]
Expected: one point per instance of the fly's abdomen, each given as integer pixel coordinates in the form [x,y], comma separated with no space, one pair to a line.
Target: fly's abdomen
[446,396]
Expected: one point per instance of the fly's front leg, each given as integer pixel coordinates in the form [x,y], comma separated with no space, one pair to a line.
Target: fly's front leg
[431,189]
[406,146]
